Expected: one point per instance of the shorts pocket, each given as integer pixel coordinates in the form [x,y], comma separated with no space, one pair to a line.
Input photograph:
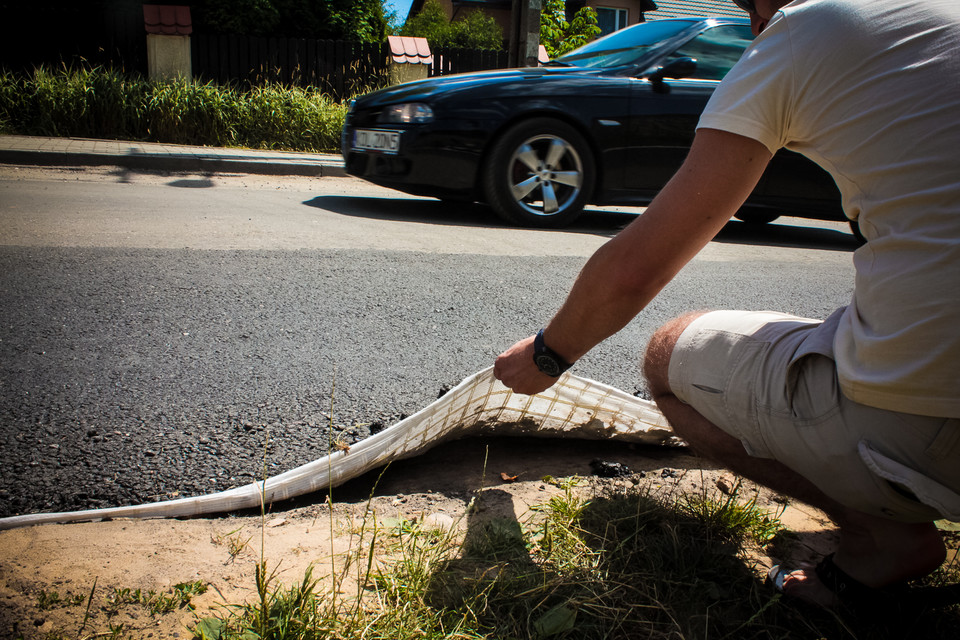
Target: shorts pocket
[813,393]
[928,491]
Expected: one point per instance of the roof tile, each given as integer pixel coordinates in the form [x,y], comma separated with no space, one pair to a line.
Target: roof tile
[169,20]
[694,8]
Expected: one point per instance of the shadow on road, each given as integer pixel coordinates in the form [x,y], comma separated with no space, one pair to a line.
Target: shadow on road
[595,221]
[462,214]
[783,234]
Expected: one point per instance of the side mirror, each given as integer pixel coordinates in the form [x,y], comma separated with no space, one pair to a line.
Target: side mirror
[679,68]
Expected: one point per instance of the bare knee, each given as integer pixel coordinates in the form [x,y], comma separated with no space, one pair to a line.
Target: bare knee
[656,361]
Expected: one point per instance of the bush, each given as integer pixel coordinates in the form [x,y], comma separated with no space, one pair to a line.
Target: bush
[100,103]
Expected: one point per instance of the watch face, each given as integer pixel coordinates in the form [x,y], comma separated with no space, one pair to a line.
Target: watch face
[547,365]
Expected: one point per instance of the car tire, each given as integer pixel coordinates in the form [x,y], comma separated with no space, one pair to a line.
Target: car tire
[539,173]
[756,216]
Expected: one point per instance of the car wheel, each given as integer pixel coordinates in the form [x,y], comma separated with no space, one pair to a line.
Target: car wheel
[539,173]
[756,216]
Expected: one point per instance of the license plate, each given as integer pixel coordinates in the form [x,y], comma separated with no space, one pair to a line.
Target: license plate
[373,140]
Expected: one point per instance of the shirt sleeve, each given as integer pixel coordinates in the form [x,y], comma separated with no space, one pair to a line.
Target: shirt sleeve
[755,98]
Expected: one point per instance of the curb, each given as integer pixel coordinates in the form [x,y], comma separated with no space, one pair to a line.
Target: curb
[191,159]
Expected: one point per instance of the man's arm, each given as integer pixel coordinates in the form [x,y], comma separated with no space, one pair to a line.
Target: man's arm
[625,274]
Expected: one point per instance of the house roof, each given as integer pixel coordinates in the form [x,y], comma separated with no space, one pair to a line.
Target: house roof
[167,20]
[694,8]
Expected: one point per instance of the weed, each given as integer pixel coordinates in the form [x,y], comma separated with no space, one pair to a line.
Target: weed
[728,516]
[234,541]
[116,631]
[156,603]
[47,600]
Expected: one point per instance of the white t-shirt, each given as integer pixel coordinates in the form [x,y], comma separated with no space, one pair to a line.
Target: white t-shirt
[870,91]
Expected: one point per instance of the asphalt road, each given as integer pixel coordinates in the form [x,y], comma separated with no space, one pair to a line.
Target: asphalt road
[159,333]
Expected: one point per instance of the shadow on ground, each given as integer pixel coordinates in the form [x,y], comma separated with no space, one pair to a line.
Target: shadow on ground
[596,220]
[446,212]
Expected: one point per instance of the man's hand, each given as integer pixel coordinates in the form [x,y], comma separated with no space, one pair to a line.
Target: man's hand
[515,369]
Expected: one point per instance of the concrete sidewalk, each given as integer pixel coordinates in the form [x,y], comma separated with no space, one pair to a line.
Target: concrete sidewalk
[34,150]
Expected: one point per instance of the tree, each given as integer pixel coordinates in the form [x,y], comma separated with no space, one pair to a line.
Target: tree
[362,20]
[430,22]
[559,36]
[475,31]
[244,17]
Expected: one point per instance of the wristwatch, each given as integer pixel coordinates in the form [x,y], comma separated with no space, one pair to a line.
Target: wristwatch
[547,360]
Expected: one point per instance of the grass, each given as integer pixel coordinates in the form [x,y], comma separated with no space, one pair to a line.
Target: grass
[624,566]
[585,564]
[103,103]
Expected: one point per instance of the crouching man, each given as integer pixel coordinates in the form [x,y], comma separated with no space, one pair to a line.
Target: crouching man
[858,414]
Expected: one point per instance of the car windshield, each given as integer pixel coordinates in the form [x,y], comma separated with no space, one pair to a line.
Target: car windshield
[624,47]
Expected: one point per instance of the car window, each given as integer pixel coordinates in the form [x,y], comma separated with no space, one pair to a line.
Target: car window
[624,47]
[716,50]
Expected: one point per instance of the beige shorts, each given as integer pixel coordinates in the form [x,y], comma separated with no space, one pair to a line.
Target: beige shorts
[769,380]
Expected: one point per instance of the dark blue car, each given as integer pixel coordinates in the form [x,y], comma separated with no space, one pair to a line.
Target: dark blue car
[608,123]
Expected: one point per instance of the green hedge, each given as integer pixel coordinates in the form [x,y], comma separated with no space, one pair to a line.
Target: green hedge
[99,103]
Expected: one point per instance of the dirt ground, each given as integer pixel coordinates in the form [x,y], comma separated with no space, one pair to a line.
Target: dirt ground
[41,564]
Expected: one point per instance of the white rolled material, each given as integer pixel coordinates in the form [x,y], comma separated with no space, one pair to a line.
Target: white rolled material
[573,408]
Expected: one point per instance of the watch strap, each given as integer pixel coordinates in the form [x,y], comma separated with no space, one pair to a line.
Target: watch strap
[547,360]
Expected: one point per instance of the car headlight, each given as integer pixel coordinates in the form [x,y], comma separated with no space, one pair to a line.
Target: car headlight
[407,113]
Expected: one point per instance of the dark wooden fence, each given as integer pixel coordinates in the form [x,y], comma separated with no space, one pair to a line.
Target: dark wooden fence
[449,60]
[73,34]
[337,67]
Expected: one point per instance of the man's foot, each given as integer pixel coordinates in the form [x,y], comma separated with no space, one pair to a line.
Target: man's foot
[875,560]
[828,586]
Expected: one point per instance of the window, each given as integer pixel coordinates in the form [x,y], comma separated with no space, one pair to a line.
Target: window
[716,50]
[610,20]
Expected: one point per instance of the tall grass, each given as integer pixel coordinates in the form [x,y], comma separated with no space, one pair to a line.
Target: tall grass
[103,103]
[614,567]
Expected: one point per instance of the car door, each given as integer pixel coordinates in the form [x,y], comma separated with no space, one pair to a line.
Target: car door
[664,113]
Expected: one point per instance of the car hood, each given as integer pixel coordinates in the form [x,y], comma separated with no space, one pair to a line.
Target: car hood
[453,84]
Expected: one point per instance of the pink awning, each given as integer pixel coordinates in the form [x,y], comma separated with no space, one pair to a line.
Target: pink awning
[409,50]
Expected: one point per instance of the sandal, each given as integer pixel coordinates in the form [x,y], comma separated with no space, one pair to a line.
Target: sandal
[856,598]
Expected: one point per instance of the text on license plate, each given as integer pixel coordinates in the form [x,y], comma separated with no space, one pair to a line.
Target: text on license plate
[386,141]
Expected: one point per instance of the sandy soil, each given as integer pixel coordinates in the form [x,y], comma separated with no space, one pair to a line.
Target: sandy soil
[68,560]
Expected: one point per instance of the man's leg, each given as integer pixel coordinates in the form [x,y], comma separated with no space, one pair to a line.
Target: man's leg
[873,550]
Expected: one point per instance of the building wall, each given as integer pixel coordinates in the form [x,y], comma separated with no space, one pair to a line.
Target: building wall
[632,7]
